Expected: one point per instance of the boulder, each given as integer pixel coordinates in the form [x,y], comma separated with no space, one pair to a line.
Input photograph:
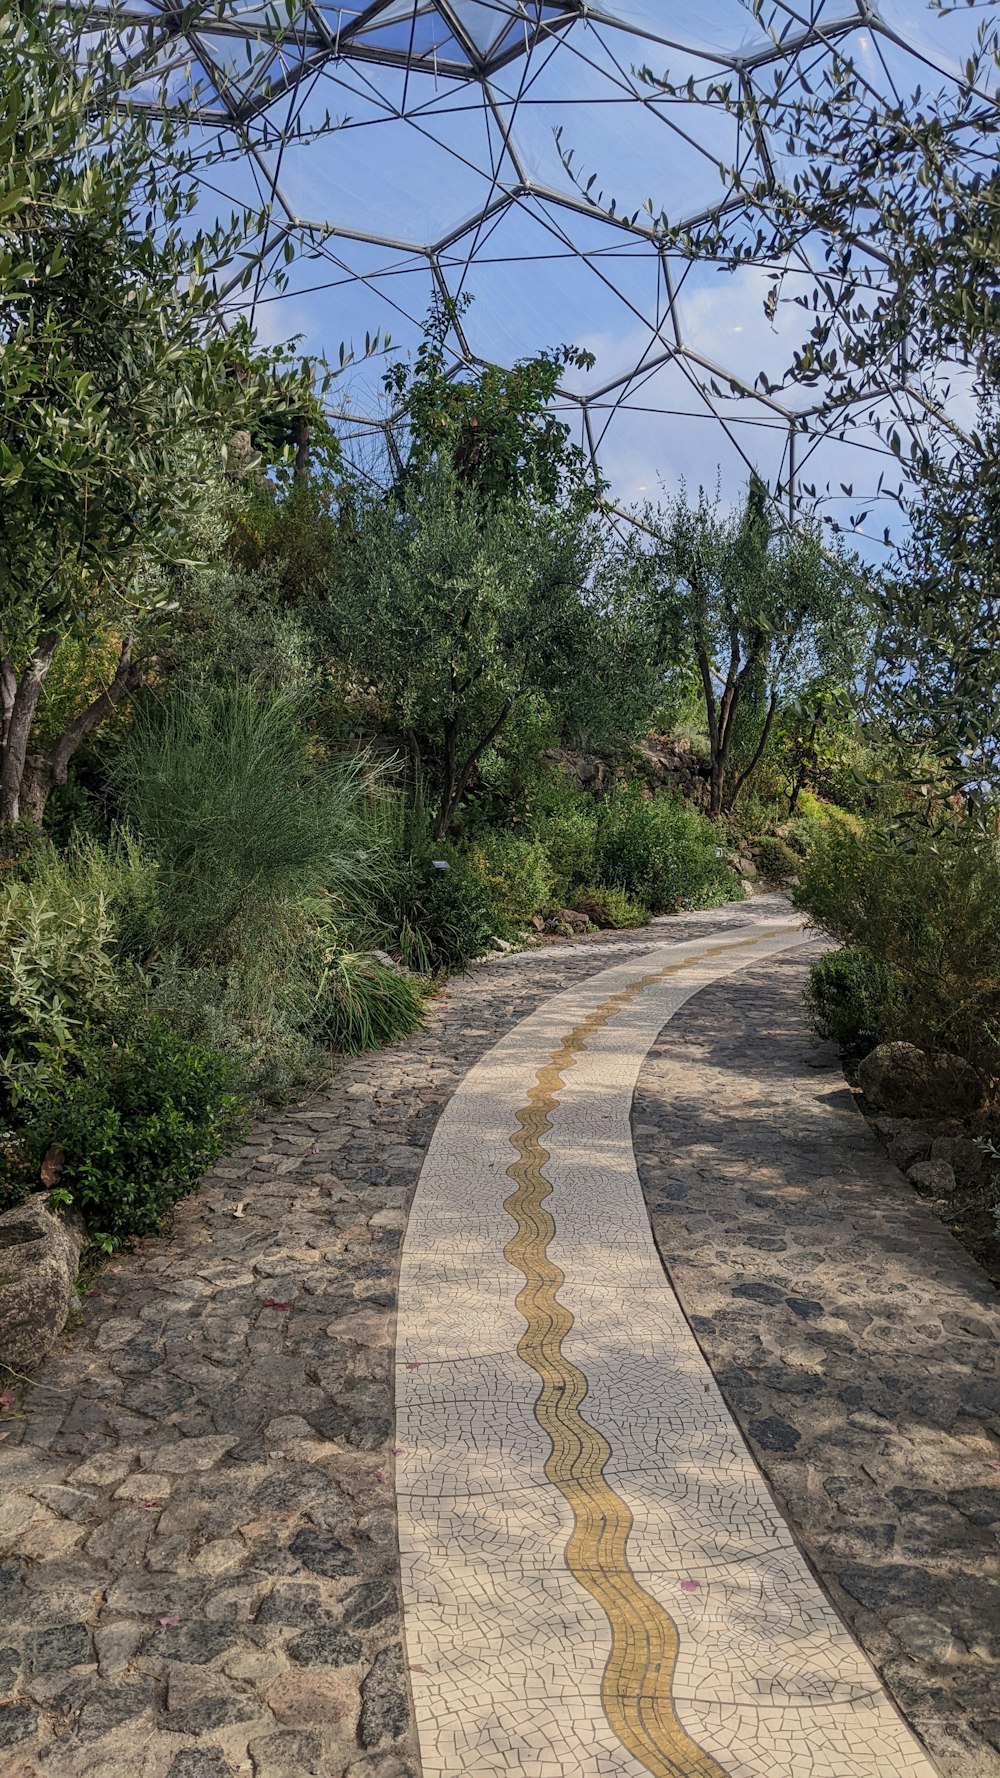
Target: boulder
[595,909]
[934,1178]
[568,922]
[911,1082]
[909,1142]
[392,964]
[39,1259]
[972,1165]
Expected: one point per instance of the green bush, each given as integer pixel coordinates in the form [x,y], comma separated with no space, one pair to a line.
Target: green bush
[362,1004]
[563,818]
[850,997]
[925,902]
[661,851]
[607,906]
[258,1009]
[517,875]
[774,859]
[66,919]
[435,908]
[219,782]
[136,1128]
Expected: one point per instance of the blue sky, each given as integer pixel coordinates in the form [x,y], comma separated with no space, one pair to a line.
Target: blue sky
[429,169]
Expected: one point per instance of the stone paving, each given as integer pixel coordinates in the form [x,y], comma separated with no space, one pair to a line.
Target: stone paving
[199,1573]
[595,1580]
[854,1340]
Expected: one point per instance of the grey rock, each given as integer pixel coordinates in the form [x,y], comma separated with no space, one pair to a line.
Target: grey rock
[981,1506]
[296,1606]
[18,1722]
[927,1639]
[759,1293]
[384,1765]
[64,1645]
[323,1553]
[369,1604]
[215,1711]
[200,1762]
[908,1143]
[111,1706]
[328,1647]
[934,1178]
[195,1642]
[772,1433]
[294,1754]
[39,1259]
[806,1308]
[115,1645]
[891,1584]
[383,959]
[69,1503]
[385,1710]
[900,1078]
[10,1668]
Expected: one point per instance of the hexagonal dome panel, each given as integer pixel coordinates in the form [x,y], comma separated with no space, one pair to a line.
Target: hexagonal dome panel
[419,146]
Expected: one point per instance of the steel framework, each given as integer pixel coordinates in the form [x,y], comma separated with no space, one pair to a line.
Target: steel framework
[413,146]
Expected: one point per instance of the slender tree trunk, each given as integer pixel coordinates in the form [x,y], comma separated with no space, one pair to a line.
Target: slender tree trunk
[807,753]
[458,778]
[36,773]
[446,807]
[300,440]
[758,753]
[20,705]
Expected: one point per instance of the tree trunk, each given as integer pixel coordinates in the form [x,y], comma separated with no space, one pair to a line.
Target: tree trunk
[760,748]
[20,705]
[446,808]
[36,773]
[300,440]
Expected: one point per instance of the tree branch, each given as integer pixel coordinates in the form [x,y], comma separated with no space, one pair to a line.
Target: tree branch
[127,679]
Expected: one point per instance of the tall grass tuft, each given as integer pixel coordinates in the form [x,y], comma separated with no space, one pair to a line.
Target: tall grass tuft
[218,780]
[363,1005]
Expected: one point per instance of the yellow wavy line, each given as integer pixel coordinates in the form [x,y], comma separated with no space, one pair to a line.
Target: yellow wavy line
[636,1688]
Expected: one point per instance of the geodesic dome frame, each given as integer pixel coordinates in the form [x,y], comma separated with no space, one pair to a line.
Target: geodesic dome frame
[408,147]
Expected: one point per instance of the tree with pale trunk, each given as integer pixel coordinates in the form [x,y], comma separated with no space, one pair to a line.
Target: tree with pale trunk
[759,607]
[119,381]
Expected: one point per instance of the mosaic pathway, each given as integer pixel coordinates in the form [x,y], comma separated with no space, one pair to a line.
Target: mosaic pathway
[596,1581]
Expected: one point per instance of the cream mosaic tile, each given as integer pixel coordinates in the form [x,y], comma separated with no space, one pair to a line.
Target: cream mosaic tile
[625,1600]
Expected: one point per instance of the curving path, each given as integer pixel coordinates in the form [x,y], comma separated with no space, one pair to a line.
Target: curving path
[200,1573]
[595,1578]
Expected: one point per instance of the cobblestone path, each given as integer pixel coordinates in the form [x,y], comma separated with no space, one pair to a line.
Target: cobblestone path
[595,1580]
[199,1566]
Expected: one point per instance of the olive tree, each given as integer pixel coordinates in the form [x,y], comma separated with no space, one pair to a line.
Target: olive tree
[758,606]
[896,199]
[119,383]
[453,610]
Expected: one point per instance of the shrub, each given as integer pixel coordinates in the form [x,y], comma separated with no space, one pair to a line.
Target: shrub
[361,1004]
[850,996]
[611,907]
[258,1009]
[815,821]
[926,903]
[660,851]
[240,819]
[774,859]
[62,920]
[450,914]
[563,818]
[435,909]
[518,877]
[136,1129]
